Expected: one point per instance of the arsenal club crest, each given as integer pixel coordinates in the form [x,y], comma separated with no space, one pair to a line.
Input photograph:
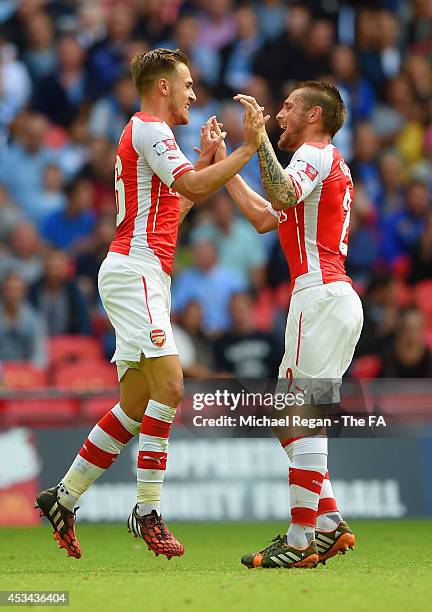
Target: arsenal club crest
[158,337]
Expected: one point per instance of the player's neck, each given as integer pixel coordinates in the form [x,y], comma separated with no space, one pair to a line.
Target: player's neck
[317,136]
[157,108]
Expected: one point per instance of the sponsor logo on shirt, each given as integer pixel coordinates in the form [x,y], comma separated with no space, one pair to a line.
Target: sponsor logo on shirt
[161,147]
[306,168]
[158,337]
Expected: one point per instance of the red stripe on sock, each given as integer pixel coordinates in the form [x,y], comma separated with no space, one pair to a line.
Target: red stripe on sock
[308,479]
[285,443]
[327,504]
[112,426]
[97,456]
[151,460]
[303,516]
[155,427]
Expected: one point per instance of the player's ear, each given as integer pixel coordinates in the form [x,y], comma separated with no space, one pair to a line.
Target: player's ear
[315,114]
[163,86]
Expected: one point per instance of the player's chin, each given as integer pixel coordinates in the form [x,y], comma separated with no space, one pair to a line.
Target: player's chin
[282,144]
[184,118]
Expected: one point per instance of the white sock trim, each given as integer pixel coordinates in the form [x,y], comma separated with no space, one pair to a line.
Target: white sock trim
[160,411]
[132,426]
[151,443]
[313,444]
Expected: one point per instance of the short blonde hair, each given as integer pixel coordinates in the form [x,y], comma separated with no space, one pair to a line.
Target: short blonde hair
[147,67]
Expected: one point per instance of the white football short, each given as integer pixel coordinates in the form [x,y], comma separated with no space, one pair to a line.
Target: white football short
[136,296]
[323,327]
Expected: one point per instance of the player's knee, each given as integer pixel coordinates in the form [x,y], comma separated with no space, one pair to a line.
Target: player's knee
[172,391]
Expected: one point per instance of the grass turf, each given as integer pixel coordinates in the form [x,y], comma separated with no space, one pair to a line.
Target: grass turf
[390,569]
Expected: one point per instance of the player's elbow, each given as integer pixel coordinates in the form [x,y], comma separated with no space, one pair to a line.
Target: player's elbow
[261,228]
[191,187]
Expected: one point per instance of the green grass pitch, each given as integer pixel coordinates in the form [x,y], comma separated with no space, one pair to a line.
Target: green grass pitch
[390,569]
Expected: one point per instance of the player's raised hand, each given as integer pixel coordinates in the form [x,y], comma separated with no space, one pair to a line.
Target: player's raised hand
[221,151]
[211,138]
[253,120]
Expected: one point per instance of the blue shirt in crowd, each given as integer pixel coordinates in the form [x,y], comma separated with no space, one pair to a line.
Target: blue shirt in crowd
[212,289]
[63,231]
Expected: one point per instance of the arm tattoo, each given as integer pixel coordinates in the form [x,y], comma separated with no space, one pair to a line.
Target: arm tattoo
[277,184]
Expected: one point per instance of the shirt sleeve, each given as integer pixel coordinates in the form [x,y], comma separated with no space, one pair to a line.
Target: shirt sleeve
[156,143]
[308,168]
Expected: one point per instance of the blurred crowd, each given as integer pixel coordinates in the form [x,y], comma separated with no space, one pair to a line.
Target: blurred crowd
[65,96]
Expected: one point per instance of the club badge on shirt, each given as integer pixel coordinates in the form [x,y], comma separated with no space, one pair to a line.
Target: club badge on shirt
[158,337]
[161,147]
[306,168]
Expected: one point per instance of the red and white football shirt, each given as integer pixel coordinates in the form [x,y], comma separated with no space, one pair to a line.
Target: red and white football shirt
[314,233]
[148,161]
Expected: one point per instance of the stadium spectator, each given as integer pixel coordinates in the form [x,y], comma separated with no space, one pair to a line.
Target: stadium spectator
[237,56]
[40,54]
[52,198]
[363,238]
[23,162]
[217,27]
[402,229]
[99,170]
[91,27]
[271,16]
[25,254]
[58,299]
[89,260]
[74,154]
[210,284]
[22,332]
[381,311]
[70,228]
[16,86]
[59,96]
[196,354]
[393,179]
[205,60]
[381,60]
[365,165]
[107,57]
[347,74]
[271,62]
[110,114]
[408,356]
[243,351]
[239,246]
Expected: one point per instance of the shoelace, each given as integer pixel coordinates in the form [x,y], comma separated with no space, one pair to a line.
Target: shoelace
[277,540]
[159,522]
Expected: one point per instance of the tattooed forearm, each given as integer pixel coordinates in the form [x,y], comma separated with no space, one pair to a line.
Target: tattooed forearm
[277,184]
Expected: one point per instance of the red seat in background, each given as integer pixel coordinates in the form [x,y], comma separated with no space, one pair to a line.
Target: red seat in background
[367,366]
[86,376]
[21,375]
[73,348]
[94,408]
[41,412]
